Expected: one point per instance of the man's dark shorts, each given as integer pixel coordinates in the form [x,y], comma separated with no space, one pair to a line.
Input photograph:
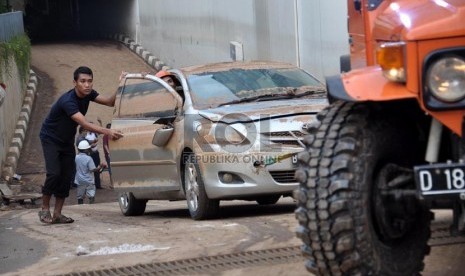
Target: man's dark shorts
[60,166]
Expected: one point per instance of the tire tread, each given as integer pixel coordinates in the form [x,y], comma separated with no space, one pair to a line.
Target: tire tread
[333,234]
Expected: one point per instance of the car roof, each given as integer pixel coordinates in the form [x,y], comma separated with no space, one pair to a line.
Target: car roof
[224,66]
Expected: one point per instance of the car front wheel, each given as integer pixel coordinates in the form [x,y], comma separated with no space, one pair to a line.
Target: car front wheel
[200,206]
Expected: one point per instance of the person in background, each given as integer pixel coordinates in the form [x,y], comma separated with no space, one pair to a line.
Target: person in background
[171,80]
[168,78]
[92,138]
[106,152]
[57,137]
[85,169]
[81,136]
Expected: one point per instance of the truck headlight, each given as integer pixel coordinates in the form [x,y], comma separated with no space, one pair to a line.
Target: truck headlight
[446,79]
[390,56]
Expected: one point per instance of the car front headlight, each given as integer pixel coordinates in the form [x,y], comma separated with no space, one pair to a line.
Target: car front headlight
[228,137]
[235,138]
[446,79]
[231,134]
[390,57]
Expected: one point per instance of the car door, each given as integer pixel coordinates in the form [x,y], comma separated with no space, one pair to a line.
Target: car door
[144,105]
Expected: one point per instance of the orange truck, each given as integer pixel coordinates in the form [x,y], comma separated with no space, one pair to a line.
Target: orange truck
[391,146]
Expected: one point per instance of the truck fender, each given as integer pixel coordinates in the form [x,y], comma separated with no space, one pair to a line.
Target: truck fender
[365,84]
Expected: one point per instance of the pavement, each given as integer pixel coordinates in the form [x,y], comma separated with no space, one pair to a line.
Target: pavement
[102,239]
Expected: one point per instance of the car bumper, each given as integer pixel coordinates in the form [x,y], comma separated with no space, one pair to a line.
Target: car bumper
[253,174]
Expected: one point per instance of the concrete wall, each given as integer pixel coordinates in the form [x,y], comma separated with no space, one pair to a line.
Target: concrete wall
[16,101]
[323,35]
[11,24]
[10,108]
[310,34]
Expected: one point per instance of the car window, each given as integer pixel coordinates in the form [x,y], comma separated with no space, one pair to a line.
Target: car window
[212,89]
[142,98]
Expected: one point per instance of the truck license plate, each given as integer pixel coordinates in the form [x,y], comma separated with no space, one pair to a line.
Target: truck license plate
[440,179]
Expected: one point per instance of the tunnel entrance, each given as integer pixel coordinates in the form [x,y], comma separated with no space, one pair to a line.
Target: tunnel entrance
[47,19]
[75,19]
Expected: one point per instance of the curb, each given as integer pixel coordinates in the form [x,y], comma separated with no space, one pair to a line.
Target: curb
[16,144]
[146,55]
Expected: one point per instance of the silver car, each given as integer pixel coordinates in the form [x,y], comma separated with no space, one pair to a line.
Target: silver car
[225,131]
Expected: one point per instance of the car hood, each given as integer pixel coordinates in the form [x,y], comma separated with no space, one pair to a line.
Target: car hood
[248,112]
[419,20]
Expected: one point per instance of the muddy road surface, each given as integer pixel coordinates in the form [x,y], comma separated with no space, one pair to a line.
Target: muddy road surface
[247,239]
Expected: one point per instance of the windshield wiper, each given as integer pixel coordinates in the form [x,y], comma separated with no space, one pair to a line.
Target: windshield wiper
[316,92]
[291,93]
[248,99]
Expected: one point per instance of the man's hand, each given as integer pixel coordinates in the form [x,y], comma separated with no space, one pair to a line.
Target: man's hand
[114,134]
[123,75]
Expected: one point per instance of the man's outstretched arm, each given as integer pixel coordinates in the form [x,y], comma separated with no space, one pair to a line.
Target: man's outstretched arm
[81,120]
[110,100]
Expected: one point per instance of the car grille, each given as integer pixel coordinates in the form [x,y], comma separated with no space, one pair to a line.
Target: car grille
[288,138]
[283,176]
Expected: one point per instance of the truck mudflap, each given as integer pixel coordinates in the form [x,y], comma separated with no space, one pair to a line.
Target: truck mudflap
[365,84]
[441,180]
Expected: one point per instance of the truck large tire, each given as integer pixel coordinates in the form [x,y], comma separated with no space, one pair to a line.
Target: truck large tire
[348,221]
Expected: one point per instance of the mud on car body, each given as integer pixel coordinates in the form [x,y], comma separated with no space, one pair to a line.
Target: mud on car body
[227,131]
[390,147]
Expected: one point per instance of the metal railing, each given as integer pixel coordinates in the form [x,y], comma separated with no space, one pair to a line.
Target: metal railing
[11,24]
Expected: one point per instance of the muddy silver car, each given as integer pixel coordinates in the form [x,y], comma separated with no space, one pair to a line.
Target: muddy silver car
[226,131]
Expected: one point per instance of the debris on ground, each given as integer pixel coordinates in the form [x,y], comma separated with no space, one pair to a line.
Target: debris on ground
[11,190]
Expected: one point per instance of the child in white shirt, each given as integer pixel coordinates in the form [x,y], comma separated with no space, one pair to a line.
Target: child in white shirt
[85,169]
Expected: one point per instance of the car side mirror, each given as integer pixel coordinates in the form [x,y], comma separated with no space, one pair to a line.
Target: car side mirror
[162,135]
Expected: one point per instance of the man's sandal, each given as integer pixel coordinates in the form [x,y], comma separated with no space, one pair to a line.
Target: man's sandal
[62,219]
[45,216]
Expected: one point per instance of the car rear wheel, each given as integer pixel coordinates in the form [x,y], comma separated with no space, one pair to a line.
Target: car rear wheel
[130,206]
[200,206]
[351,221]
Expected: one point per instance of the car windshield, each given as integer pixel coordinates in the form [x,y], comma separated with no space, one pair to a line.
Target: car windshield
[213,89]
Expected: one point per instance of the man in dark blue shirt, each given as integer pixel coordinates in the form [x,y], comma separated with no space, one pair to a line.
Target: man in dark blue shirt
[57,138]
